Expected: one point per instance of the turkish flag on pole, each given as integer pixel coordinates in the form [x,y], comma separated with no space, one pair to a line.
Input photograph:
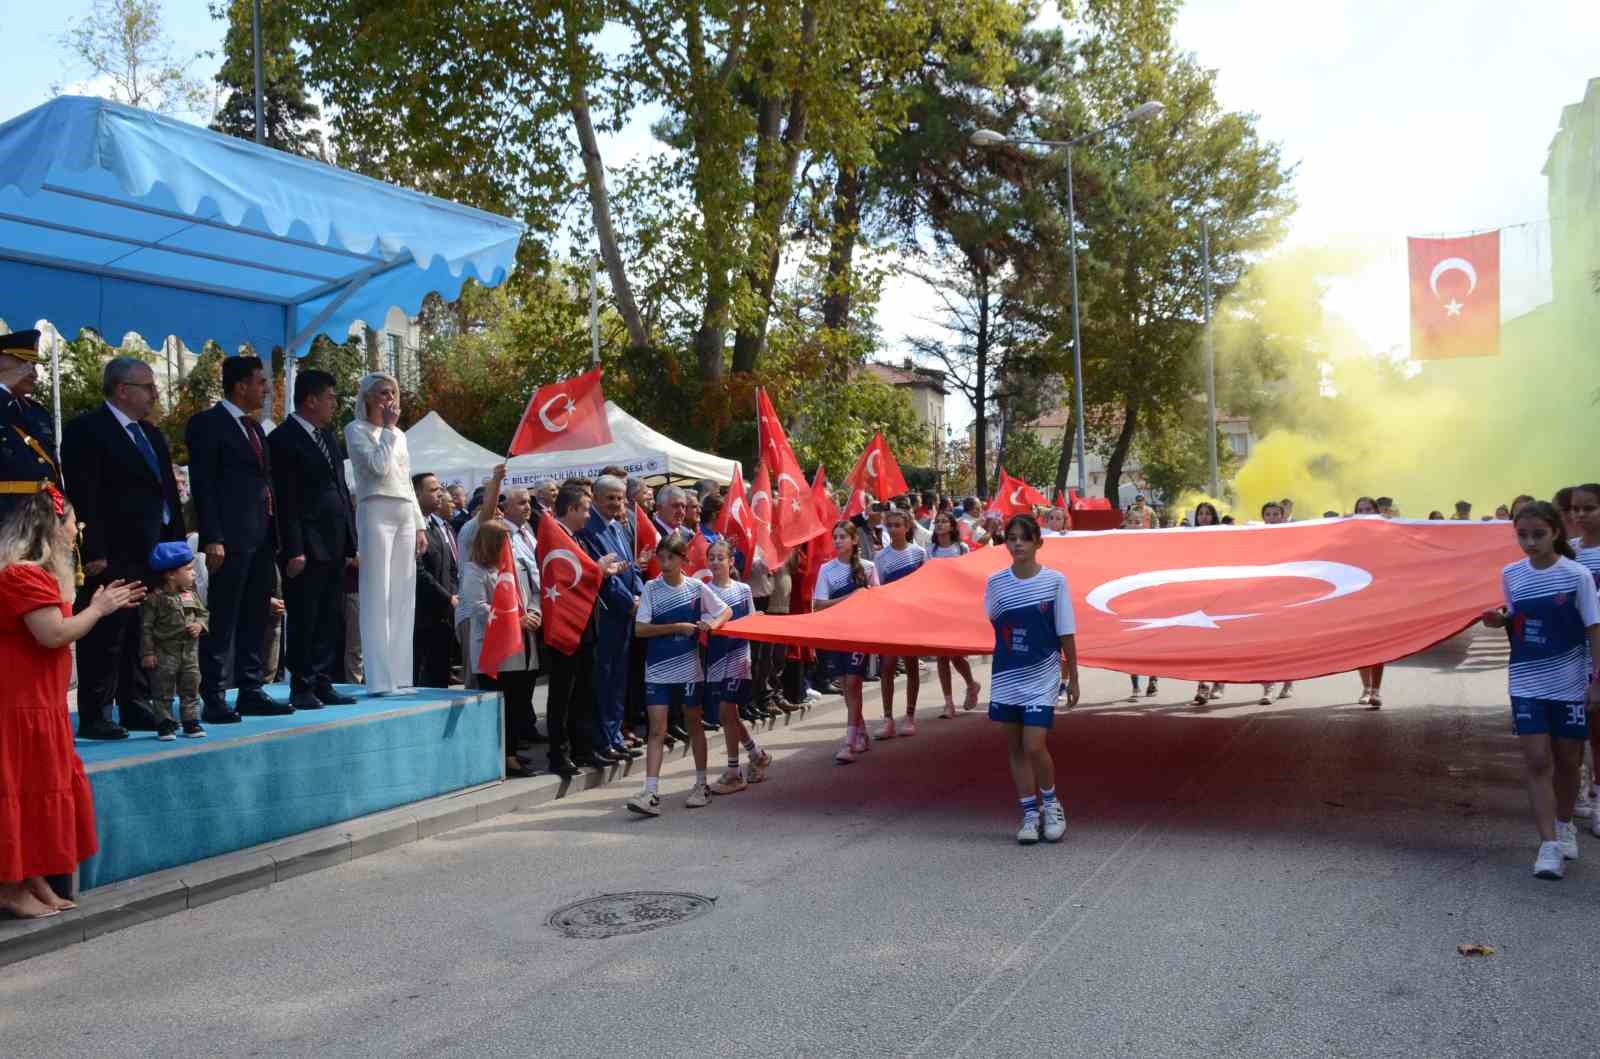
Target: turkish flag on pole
[857,504]
[645,537]
[570,414]
[736,522]
[877,471]
[761,518]
[571,583]
[1455,296]
[795,519]
[1237,604]
[1013,496]
[696,564]
[820,548]
[502,637]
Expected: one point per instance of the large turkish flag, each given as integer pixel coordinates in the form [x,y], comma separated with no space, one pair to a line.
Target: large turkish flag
[1455,296]
[570,414]
[1248,603]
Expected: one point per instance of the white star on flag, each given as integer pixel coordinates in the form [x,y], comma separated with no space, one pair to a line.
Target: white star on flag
[1195,619]
[1453,307]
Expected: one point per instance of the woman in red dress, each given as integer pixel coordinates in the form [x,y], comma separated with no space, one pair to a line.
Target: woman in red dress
[46,811]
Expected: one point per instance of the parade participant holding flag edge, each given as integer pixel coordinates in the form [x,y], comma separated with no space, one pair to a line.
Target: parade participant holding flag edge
[1035,649]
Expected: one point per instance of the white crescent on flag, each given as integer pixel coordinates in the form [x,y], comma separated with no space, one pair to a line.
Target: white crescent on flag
[544,414]
[1342,578]
[790,477]
[756,500]
[872,465]
[1016,496]
[552,593]
[1454,264]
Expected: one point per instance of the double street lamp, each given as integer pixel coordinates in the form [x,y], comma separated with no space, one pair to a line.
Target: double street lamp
[990,138]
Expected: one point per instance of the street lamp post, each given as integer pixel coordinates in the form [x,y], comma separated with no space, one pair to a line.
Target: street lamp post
[990,138]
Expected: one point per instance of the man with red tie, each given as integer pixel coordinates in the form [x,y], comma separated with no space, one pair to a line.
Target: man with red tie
[230,478]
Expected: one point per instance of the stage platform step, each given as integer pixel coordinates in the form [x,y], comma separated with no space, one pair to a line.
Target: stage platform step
[162,804]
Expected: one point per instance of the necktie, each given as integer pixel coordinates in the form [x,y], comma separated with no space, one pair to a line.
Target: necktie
[322,444]
[252,431]
[449,538]
[148,451]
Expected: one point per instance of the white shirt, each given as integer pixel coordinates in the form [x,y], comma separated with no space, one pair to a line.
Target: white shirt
[313,431]
[238,414]
[382,465]
[122,419]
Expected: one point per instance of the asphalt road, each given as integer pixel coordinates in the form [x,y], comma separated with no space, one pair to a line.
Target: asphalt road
[1259,881]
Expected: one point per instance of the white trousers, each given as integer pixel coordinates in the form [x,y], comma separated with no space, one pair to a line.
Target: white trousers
[386,532]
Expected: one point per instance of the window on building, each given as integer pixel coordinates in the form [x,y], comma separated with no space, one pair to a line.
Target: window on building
[1240,444]
[392,342]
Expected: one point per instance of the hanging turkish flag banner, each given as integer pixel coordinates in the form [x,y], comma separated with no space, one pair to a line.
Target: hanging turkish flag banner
[795,520]
[1455,296]
[1013,496]
[571,583]
[1237,604]
[761,515]
[735,521]
[570,414]
[502,637]
[877,472]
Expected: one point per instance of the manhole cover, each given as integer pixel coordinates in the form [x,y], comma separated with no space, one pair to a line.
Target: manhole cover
[609,915]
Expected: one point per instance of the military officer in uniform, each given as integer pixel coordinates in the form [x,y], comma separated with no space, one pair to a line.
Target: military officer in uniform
[27,435]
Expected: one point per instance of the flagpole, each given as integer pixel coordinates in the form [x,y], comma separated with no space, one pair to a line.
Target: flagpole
[1211,366]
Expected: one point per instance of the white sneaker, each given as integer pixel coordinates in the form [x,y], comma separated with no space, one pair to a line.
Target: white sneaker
[845,755]
[885,730]
[862,742]
[1547,865]
[759,763]
[699,797]
[645,804]
[1055,822]
[813,695]
[1028,833]
[1567,838]
[1288,690]
[1266,695]
[1584,809]
[908,726]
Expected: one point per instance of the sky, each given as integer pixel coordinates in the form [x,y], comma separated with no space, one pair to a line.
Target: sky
[1426,117]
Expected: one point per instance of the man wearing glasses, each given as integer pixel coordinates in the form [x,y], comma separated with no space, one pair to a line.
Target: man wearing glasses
[119,477]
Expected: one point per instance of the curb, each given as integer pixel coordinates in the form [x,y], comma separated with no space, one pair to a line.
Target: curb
[164,893]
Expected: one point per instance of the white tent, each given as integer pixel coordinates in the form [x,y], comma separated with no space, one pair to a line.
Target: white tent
[437,449]
[643,452]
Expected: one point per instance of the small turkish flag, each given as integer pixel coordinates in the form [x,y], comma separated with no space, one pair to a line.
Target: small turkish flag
[571,583]
[761,518]
[857,504]
[696,565]
[796,519]
[645,537]
[820,548]
[1061,500]
[735,521]
[502,638]
[1013,496]
[570,414]
[1455,296]
[878,472]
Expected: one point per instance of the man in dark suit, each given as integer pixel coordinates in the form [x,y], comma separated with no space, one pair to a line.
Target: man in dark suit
[230,478]
[27,434]
[438,580]
[317,526]
[119,478]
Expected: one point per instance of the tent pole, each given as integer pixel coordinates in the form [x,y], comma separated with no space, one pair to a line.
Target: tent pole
[289,365]
[55,385]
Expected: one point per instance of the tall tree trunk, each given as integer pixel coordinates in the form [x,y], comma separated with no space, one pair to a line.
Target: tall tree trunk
[1069,447]
[1119,451]
[980,386]
[712,150]
[846,212]
[594,172]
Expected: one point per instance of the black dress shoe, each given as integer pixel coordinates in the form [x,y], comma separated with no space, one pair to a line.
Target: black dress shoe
[563,767]
[101,730]
[219,715]
[678,732]
[304,701]
[257,704]
[331,696]
[590,761]
[631,754]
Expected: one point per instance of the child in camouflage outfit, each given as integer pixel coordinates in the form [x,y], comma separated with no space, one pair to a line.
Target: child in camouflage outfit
[173,621]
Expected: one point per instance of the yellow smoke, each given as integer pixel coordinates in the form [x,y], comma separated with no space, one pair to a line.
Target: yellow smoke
[1343,421]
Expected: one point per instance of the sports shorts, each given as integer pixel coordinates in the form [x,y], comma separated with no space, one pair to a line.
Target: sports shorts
[673,696]
[1559,720]
[1039,716]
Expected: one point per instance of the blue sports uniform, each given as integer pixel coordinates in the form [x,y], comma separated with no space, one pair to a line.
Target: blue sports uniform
[672,672]
[1551,611]
[1029,617]
[834,581]
[727,657]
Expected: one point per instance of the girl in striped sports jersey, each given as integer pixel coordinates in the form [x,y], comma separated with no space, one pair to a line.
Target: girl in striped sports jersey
[947,544]
[1035,649]
[673,611]
[840,577]
[1554,618]
[728,683]
[901,558]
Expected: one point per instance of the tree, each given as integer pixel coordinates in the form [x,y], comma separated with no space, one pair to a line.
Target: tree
[1029,458]
[290,114]
[1142,192]
[124,45]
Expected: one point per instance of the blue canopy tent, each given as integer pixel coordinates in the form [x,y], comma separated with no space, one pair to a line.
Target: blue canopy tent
[121,220]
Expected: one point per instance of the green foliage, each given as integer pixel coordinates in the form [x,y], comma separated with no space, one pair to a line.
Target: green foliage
[1029,458]
[124,46]
[290,114]
[1173,456]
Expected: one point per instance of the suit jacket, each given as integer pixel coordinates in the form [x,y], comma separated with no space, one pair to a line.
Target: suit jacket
[117,497]
[617,591]
[313,509]
[438,578]
[229,484]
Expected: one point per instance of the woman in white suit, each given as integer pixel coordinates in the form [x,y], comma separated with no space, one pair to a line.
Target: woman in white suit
[389,533]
